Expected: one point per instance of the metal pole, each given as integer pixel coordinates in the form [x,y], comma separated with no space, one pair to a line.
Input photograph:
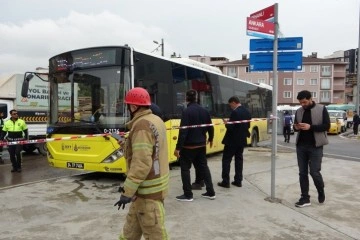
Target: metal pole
[357,71]
[162,47]
[274,103]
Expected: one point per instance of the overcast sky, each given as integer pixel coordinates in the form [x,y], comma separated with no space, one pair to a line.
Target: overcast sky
[32,31]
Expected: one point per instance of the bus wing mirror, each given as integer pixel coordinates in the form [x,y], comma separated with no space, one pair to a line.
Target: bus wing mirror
[25,86]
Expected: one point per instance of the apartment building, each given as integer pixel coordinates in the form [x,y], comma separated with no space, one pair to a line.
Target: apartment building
[324,78]
[212,61]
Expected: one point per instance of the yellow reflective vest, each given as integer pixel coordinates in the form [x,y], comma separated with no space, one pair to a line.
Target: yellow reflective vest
[16,130]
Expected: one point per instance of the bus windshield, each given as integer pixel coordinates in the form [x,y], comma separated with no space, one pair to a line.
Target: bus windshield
[88,95]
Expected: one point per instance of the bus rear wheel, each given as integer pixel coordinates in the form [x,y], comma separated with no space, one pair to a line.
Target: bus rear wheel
[254,138]
[42,148]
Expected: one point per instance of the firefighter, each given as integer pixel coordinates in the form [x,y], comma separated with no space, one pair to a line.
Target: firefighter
[16,130]
[146,184]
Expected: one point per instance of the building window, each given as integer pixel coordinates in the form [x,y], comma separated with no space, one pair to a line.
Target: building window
[302,69]
[300,81]
[247,69]
[313,81]
[325,83]
[271,82]
[202,60]
[287,81]
[325,71]
[287,94]
[261,80]
[314,94]
[314,68]
[325,96]
[232,72]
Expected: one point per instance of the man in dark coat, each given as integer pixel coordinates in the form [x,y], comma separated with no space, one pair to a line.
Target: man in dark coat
[235,141]
[191,147]
[356,122]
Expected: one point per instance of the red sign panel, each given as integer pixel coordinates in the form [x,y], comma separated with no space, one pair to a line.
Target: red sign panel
[266,14]
[256,25]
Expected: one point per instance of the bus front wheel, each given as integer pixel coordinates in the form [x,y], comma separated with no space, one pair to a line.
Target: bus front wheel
[254,138]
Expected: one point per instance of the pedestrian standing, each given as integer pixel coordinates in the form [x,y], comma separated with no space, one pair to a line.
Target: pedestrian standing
[16,130]
[312,121]
[191,147]
[1,131]
[356,122]
[235,141]
[287,126]
[146,184]
[155,109]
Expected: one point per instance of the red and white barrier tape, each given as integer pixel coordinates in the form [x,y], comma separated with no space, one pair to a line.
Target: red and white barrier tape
[22,142]
[212,124]
[122,134]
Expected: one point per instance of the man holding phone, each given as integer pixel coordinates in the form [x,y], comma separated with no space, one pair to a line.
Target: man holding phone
[312,122]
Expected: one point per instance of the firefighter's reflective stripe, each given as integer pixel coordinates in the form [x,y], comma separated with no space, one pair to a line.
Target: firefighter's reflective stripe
[154,185]
[155,181]
[162,220]
[149,186]
[130,184]
[141,146]
[151,190]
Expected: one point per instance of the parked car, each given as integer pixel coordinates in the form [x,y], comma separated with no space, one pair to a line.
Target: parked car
[335,126]
[341,115]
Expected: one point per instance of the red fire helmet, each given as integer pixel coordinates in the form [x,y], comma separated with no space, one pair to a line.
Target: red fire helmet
[138,96]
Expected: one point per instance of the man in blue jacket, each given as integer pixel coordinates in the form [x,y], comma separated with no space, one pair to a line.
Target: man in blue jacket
[287,126]
[235,141]
[191,146]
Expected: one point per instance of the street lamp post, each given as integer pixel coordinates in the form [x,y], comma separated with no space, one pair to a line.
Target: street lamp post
[160,44]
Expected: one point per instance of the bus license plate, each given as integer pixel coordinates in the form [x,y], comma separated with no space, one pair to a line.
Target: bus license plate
[75,165]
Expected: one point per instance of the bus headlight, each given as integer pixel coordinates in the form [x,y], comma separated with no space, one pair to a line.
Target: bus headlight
[114,156]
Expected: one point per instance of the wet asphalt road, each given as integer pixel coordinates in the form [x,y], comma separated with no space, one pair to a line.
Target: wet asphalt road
[34,168]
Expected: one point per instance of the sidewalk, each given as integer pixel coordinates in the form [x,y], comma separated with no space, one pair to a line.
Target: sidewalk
[82,208]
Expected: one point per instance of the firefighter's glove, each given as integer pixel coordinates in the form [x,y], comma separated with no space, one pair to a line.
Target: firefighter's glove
[122,202]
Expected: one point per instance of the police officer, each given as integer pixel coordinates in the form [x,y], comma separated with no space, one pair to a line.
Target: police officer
[146,184]
[16,130]
[1,127]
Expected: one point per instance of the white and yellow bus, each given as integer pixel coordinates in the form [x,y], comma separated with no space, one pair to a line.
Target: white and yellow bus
[99,79]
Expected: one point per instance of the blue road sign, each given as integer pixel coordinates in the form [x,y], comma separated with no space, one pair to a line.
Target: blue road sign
[287,61]
[291,43]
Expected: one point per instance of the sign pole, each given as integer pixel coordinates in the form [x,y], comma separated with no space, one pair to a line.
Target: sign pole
[274,105]
[358,73]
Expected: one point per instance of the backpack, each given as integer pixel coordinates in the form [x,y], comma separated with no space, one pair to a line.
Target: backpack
[287,120]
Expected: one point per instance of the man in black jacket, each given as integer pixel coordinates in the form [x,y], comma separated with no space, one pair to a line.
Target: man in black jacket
[356,122]
[312,122]
[235,141]
[191,146]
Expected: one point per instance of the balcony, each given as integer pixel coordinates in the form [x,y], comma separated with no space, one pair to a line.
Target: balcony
[325,74]
[339,87]
[325,100]
[339,74]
